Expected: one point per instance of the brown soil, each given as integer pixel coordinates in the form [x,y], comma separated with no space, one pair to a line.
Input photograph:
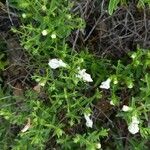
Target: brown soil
[111,36]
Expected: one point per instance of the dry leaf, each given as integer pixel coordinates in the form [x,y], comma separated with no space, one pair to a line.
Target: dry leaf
[37,88]
[27,126]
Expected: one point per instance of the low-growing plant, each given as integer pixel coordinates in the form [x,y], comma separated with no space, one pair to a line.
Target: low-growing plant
[113,4]
[58,111]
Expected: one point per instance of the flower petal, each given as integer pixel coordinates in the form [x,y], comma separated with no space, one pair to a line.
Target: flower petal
[105,84]
[134,125]
[89,122]
[126,108]
[84,76]
[56,63]
[133,128]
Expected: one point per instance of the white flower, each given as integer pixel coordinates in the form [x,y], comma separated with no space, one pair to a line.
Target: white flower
[89,122]
[133,128]
[126,108]
[112,103]
[134,125]
[98,145]
[83,75]
[44,32]
[24,15]
[56,63]
[53,36]
[105,84]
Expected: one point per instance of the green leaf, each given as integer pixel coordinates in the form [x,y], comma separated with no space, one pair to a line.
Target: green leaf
[112,6]
[145,132]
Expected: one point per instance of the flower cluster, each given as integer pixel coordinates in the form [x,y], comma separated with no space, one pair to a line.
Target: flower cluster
[57,63]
